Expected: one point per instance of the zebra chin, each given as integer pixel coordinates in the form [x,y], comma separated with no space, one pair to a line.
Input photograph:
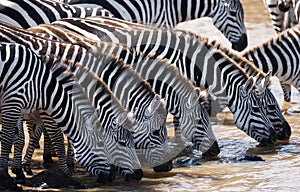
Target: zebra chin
[214,150]
[241,44]
[268,141]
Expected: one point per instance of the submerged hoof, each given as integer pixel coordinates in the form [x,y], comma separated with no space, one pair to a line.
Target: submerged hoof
[55,179]
[7,182]
[27,169]
[167,166]
[20,177]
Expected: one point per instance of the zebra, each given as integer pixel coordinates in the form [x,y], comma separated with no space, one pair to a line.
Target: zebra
[63,35]
[281,56]
[292,7]
[282,127]
[150,129]
[282,16]
[22,74]
[227,15]
[113,117]
[29,13]
[197,59]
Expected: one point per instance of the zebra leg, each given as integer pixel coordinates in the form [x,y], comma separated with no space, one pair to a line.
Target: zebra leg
[48,150]
[34,136]
[18,149]
[70,156]
[286,91]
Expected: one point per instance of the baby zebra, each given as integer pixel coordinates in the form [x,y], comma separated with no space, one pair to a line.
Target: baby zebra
[189,133]
[198,61]
[26,85]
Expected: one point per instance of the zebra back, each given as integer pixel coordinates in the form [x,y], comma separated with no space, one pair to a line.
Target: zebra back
[228,16]
[28,13]
[204,65]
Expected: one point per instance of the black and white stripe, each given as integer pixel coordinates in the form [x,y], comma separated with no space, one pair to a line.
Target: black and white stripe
[197,131]
[227,15]
[27,85]
[197,59]
[280,55]
[135,95]
[28,13]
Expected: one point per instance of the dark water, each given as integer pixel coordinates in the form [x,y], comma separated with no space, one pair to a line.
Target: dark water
[279,172]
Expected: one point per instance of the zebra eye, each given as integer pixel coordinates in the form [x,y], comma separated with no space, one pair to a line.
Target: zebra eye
[156,132]
[272,107]
[255,109]
[233,13]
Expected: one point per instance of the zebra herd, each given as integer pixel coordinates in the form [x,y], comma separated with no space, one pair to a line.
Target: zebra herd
[107,73]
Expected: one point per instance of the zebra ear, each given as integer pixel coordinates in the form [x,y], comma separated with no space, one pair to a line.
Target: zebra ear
[249,85]
[154,103]
[194,97]
[267,80]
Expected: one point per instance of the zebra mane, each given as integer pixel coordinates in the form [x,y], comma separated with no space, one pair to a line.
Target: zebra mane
[282,36]
[240,60]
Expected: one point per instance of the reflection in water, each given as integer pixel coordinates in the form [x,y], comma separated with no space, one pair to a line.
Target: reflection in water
[279,171]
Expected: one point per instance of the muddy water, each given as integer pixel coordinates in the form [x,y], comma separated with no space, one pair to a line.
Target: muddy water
[280,170]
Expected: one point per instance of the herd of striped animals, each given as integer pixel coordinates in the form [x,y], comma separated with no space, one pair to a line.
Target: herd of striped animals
[107,73]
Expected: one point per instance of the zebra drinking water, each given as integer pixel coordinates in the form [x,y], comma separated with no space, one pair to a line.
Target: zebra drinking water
[149,110]
[198,61]
[227,15]
[130,57]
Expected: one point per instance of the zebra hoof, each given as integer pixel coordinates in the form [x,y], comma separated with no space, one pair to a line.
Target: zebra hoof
[20,177]
[47,160]
[7,182]
[164,167]
[27,169]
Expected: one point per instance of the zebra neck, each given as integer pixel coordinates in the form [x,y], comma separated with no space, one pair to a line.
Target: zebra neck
[166,80]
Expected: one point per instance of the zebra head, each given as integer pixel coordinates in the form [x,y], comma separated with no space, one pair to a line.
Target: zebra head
[250,115]
[228,17]
[150,134]
[282,127]
[284,5]
[277,17]
[195,125]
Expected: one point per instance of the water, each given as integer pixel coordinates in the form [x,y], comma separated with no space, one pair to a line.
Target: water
[279,172]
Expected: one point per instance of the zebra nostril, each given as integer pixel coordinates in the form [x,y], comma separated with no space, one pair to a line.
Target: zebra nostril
[241,44]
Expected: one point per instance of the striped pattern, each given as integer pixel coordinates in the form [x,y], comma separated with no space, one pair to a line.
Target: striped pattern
[21,80]
[228,16]
[136,95]
[199,132]
[280,55]
[196,60]
[28,13]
